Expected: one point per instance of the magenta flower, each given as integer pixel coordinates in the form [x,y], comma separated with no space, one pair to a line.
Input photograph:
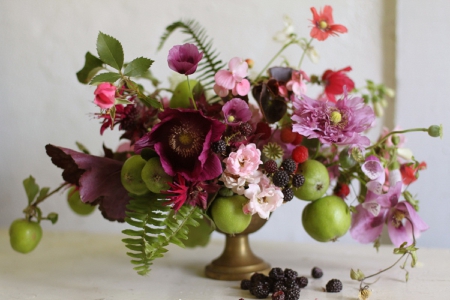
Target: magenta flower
[236,111]
[184,59]
[232,79]
[401,218]
[105,95]
[98,179]
[182,140]
[339,123]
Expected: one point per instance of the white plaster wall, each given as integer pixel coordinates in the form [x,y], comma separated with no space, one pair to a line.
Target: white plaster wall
[43,45]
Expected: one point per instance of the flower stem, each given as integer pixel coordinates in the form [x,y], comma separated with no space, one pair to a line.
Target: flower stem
[395,132]
[303,54]
[190,93]
[273,58]
[49,194]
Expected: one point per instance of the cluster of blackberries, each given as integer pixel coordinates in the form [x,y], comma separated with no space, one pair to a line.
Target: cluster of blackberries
[284,176]
[282,284]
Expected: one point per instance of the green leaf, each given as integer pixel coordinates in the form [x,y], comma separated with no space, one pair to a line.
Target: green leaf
[31,188]
[110,77]
[53,217]
[43,193]
[149,101]
[82,148]
[122,101]
[91,66]
[138,66]
[110,51]
[356,275]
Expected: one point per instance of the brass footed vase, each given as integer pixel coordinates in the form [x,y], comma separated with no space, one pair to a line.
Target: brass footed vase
[237,260]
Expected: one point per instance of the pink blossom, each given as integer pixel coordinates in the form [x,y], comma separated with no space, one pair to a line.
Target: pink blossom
[105,95]
[232,79]
[236,111]
[373,169]
[340,123]
[184,59]
[264,198]
[400,217]
[297,84]
[244,162]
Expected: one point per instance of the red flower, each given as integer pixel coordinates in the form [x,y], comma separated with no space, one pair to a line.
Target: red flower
[324,24]
[335,81]
[410,172]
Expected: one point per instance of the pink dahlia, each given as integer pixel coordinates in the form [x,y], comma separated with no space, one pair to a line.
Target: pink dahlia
[184,59]
[182,140]
[243,162]
[339,123]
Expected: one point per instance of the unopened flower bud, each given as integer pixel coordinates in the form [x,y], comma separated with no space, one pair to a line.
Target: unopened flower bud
[250,63]
[395,139]
[314,79]
[389,92]
[436,131]
[378,109]
[383,102]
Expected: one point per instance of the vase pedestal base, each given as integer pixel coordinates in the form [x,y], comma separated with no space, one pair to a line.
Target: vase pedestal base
[237,261]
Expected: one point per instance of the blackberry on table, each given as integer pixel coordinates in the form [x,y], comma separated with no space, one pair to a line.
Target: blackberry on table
[292,294]
[245,284]
[271,166]
[276,273]
[316,272]
[301,281]
[289,165]
[288,194]
[334,286]
[279,286]
[219,147]
[290,274]
[260,290]
[278,295]
[258,277]
[298,180]
[280,178]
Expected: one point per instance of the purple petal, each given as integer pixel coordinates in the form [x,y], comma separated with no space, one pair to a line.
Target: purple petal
[365,227]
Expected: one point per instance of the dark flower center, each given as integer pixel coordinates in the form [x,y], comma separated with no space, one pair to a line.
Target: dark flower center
[185,140]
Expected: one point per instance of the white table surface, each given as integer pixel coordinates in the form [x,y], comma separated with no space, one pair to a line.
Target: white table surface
[86,266]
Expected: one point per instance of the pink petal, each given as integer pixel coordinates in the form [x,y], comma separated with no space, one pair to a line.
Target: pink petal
[220,91]
[225,79]
[365,227]
[242,88]
[238,67]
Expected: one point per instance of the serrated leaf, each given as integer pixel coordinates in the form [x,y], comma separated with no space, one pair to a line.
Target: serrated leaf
[151,102]
[110,77]
[43,193]
[138,66]
[110,51]
[91,66]
[31,188]
[122,101]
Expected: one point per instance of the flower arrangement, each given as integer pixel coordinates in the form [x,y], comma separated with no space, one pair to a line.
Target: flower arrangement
[224,146]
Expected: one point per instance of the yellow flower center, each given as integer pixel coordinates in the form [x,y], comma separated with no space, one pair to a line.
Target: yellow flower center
[397,218]
[336,117]
[231,118]
[323,25]
[185,139]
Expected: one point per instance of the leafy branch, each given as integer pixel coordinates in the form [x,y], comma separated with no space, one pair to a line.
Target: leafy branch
[210,63]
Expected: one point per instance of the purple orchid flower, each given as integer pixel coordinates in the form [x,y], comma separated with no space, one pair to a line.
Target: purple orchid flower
[184,59]
[98,179]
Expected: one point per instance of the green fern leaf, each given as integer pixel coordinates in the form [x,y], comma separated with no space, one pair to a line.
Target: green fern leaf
[210,64]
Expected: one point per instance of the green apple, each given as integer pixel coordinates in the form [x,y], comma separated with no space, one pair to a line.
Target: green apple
[181,94]
[24,235]
[78,206]
[154,176]
[199,236]
[327,218]
[316,183]
[228,215]
[130,175]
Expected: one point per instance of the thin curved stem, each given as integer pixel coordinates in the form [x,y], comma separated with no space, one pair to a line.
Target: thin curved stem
[303,54]
[273,58]
[395,132]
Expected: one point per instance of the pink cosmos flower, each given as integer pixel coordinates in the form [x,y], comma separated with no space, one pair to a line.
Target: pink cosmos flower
[264,198]
[244,162]
[184,59]
[338,123]
[236,111]
[297,84]
[324,24]
[105,95]
[401,218]
[232,79]
[182,139]
[336,81]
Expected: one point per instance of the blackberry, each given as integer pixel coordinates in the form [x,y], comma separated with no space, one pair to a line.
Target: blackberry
[334,286]
[279,286]
[288,194]
[280,178]
[298,180]
[301,281]
[245,129]
[278,295]
[289,165]
[258,277]
[290,274]
[270,166]
[276,273]
[219,147]
[292,294]
[260,290]
[245,284]
[290,283]
[316,272]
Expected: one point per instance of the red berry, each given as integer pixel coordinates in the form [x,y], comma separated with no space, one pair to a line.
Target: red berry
[264,130]
[287,136]
[298,139]
[300,154]
[341,190]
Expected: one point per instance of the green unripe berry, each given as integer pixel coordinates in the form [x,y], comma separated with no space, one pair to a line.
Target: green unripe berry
[436,131]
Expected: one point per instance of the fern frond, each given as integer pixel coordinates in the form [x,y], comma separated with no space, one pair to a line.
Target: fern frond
[210,64]
[157,227]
